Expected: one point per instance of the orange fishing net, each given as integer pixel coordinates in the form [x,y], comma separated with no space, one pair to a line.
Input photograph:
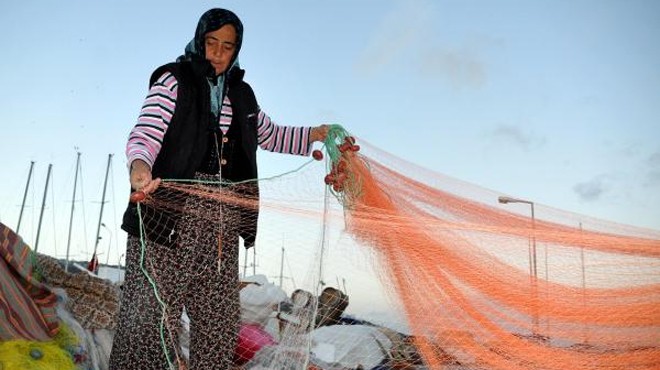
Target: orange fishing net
[469,281]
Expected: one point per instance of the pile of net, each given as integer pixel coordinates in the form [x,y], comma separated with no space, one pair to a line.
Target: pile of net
[439,273]
[49,318]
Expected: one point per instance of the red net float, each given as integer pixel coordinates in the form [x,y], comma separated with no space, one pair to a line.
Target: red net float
[137,196]
[329,179]
[344,147]
[341,166]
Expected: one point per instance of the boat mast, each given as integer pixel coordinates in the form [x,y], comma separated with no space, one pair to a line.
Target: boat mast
[105,186]
[43,205]
[73,203]
[27,185]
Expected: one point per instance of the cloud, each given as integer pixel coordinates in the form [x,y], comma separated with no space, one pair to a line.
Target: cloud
[653,178]
[632,181]
[654,160]
[591,190]
[630,150]
[653,175]
[392,40]
[514,135]
[461,68]
[407,36]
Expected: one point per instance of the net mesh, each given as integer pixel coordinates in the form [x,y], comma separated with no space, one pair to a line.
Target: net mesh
[432,272]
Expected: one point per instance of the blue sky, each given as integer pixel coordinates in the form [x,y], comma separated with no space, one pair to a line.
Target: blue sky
[557,102]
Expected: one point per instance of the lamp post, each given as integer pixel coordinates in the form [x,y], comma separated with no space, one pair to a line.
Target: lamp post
[506,200]
[533,270]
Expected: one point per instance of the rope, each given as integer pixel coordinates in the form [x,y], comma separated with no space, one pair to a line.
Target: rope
[155,288]
[197,181]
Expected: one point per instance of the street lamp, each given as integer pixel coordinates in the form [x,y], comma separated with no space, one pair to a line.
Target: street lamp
[506,200]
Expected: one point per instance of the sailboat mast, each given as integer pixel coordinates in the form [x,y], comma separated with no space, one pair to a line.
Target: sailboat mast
[105,186]
[27,186]
[73,203]
[43,205]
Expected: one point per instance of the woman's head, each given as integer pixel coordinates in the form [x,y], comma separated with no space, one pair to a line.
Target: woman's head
[220,47]
[218,38]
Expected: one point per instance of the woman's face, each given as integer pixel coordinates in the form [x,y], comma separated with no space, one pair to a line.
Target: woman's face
[220,47]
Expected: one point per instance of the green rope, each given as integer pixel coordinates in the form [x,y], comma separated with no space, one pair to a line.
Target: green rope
[163,306]
[336,135]
[197,181]
[352,186]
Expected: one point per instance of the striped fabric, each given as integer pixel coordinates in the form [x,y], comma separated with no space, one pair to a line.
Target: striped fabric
[282,139]
[146,137]
[27,307]
[226,115]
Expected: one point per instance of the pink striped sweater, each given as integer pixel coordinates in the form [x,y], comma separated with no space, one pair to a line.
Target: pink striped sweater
[146,137]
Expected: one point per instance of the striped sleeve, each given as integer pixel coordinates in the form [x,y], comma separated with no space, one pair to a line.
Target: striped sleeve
[146,137]
[282,139]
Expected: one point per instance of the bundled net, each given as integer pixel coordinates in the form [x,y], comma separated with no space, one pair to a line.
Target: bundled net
[388,265]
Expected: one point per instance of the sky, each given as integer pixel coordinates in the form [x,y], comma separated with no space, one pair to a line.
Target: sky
[556,102]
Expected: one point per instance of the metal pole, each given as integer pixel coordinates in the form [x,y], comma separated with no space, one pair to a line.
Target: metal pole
[254,260]
[43,205]
[73,205]
[245,262]
[27,185]
[105,185]
[534,240]
[584,279]
[536,286]
[107,259]
[533,264]
[282,267]
[584,288]
[119,269]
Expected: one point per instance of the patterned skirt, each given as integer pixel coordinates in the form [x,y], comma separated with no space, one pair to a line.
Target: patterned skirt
[199,272]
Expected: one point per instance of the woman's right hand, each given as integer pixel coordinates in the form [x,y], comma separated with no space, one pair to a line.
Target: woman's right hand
[141,177]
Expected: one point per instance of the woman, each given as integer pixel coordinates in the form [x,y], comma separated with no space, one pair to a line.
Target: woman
[200,120]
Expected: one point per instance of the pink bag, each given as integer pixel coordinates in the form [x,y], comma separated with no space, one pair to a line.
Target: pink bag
[251,338]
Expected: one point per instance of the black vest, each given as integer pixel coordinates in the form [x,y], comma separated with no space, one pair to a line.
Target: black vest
[188,147]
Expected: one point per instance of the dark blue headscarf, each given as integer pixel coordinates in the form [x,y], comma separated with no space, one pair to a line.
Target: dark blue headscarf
[211,21]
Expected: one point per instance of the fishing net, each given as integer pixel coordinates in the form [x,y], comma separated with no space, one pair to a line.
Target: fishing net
[389,265]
